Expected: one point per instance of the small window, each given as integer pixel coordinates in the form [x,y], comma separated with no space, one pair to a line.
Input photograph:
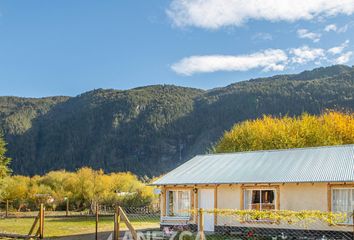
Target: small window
[343,201]
[179,203]
[257,199]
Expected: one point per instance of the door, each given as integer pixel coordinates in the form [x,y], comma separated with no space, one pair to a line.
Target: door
[206,201]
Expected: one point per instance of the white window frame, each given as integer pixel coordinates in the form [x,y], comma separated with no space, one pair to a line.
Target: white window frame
[332,201]
[260,189]
[168,202]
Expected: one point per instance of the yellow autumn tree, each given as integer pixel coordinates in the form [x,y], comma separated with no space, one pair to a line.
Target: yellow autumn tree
[330,128]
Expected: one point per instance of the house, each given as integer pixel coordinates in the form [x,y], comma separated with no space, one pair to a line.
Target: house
[315,178]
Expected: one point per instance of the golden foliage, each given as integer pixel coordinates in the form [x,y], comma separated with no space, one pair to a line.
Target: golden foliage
[330,128]
[83,188]
[282,216]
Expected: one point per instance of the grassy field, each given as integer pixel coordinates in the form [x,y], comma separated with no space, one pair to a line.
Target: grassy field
[55,227]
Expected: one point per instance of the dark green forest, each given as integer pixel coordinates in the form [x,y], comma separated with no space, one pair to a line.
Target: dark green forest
[150,130]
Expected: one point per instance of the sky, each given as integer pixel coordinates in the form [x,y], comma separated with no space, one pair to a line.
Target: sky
[66,47]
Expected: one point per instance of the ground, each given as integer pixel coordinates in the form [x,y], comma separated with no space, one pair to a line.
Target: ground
[68,226]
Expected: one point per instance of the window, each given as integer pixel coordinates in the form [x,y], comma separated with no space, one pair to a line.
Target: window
[179,203]
[259,199]
[343,201]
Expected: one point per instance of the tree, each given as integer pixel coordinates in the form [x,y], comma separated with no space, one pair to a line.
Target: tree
[16,190]
[330,128]
[4,161]
[4,164]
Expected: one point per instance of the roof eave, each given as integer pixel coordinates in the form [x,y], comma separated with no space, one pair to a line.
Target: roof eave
[236,183]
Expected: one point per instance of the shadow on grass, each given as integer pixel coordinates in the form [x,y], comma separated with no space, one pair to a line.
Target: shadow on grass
[78,219]
[87,236]
[102,218]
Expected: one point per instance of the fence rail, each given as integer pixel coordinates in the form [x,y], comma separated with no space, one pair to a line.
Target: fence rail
[8,211]
[216,224]
[33,232]
[228,224]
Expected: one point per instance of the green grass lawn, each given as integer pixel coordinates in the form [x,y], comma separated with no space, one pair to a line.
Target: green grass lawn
[54,227]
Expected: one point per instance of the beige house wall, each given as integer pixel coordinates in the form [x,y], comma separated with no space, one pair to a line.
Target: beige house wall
[304,196]
[229,196]
[292,196]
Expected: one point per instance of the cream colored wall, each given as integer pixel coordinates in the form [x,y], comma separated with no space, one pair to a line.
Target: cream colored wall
[229,196]
[304,196]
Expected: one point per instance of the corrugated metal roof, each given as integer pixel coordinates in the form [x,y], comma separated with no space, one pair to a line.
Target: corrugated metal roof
[316,164]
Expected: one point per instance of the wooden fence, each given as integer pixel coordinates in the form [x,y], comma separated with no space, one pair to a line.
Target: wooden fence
[38,234]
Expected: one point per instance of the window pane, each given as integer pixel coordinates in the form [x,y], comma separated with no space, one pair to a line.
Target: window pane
[178,203]
[268,200]
[343,201]
[170,203]
[259,199]
[175,203]
[256,199]
[248,199]
[252,199]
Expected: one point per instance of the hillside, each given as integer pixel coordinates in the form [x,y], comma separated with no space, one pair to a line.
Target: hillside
[150,130]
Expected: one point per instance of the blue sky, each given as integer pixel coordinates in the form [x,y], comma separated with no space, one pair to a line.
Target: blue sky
[65,47]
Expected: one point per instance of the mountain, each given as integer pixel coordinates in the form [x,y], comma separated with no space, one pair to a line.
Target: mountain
[150,130]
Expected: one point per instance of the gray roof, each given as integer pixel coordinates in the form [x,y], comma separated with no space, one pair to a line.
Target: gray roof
[316,164]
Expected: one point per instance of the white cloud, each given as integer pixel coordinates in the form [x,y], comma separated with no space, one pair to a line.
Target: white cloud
[304,33]
[306,54]
[338,49]
[330,27]
[343,29]
[271,59]
[266,60]
[344,58]
[334,28]
[262,36]
[213,14]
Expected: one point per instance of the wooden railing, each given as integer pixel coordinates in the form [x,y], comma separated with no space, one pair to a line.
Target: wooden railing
[119,216]
[40,230]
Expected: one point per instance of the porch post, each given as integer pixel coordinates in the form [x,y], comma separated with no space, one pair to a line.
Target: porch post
[201,223]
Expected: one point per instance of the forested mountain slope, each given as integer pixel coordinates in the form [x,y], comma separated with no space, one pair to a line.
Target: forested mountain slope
[150,130]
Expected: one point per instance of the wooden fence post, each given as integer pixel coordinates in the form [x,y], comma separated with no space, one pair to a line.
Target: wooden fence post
[67,207]
[353,223]
[116,224]
[7,209]
[201,223]
[41,221]
[96,236]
